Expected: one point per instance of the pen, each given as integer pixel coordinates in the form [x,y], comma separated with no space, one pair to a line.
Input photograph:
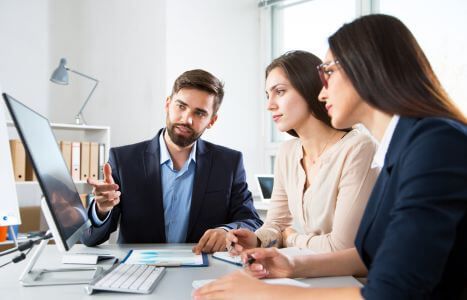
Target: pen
[251,259]
[167,264]
[232,244]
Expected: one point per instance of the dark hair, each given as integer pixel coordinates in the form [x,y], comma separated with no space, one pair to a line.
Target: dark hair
[300,69]
[201,80]
[389,70]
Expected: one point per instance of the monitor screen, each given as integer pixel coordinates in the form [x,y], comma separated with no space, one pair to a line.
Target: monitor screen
[67,213]
[265,183]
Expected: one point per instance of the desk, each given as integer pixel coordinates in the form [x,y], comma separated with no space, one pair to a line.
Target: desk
[176,283]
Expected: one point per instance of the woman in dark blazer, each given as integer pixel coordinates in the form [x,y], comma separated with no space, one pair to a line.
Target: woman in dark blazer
[412,241]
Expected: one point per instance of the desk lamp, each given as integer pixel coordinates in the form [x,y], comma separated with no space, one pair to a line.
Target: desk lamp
[60,76]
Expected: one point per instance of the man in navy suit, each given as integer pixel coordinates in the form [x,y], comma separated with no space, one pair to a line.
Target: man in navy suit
[175,188]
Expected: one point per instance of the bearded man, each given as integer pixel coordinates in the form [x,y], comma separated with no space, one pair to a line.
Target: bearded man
[175,188]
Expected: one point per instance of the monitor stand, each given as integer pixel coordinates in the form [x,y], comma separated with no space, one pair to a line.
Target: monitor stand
[55,276]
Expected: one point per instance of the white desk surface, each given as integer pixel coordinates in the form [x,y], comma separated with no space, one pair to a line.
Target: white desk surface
[176,283]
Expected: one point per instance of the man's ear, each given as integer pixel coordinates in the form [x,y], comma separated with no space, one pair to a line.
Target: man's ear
[167,103]
[213,120]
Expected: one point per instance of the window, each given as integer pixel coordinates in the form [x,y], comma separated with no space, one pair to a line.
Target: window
[302,25]
[437,26]
[305,25]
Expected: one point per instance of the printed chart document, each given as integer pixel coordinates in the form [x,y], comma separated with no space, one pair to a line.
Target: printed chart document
[166,258]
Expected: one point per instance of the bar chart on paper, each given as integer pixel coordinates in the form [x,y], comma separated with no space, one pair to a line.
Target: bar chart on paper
[170,258]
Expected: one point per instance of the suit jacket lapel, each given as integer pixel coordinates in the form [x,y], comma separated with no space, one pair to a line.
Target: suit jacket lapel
[396,146]
[153,184]
[203,167]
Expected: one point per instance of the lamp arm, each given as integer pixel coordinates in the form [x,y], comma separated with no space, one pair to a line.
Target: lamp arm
[92,91]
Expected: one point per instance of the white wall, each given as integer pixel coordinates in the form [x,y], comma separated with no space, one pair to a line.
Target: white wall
[121,43]
[136,49]
[223,38]
[23,52]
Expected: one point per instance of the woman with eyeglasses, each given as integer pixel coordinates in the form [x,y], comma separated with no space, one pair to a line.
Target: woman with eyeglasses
[322,177]
[412,241]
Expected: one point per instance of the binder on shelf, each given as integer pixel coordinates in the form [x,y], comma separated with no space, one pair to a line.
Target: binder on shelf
[84,161]
[65,148]
[18,158]
[101,161]
[76,160]
[30,174]
[94,161]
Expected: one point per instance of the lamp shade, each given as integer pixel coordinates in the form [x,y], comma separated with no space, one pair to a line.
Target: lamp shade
[60,75]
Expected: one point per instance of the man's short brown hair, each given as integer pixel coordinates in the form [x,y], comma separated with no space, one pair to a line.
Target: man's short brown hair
[201,80]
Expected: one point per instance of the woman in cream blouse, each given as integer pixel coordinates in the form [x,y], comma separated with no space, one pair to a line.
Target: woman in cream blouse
[322,178]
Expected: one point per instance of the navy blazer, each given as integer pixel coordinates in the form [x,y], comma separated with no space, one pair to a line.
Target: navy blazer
[220,194]
[413,235]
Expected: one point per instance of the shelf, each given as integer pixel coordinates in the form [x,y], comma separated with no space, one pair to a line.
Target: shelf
[70,126]
[29,192]
[35,182]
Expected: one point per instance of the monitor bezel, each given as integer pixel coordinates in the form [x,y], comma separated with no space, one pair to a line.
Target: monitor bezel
[51,218]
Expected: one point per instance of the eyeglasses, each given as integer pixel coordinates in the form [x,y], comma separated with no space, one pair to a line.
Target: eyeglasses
[324,72]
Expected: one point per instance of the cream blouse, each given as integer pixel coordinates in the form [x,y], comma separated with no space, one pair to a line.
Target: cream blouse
[331,208]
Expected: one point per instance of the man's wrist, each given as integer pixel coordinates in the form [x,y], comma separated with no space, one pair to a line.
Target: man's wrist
[101,215]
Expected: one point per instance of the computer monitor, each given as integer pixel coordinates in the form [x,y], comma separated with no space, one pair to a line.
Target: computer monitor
[265,185]
[61,204]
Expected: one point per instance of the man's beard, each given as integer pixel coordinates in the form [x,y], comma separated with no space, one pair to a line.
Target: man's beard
[180,140]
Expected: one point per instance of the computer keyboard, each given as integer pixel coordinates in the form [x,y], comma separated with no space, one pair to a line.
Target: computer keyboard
[141,279]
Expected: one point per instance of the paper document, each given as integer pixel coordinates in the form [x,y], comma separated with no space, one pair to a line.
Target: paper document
[85,258]
[225,256]
[166,258]
[286,281]
[236,260]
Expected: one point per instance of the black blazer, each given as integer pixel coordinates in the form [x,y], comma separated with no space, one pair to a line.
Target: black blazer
[413,235]
[220,194]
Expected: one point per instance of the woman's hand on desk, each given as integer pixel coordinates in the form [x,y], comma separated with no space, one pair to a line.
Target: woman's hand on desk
[237,285]
[238,240]
[268,263]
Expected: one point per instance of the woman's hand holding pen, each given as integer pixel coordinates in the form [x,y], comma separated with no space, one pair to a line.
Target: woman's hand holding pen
[268,263]
[237,240]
